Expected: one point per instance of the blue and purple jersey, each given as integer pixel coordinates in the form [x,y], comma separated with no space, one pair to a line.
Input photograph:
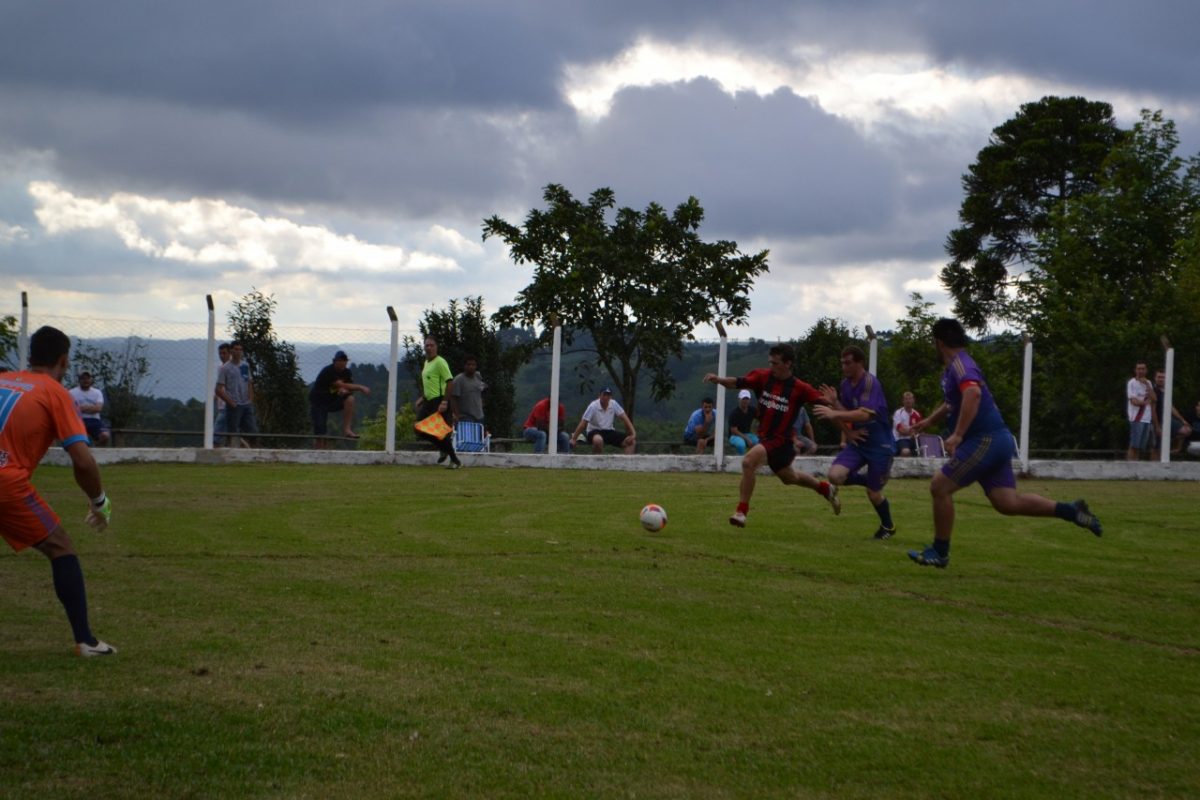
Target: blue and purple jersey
[868,394]
[960,373]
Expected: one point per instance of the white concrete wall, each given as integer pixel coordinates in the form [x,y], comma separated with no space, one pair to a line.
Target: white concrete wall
[903,467]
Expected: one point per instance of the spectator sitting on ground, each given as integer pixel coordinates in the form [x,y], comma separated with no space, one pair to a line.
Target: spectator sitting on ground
[902,421]
[89,402]
[701,426]
[803,439]
[599,418]
[537,427]
[1173,422]
[741,421]
[331,392]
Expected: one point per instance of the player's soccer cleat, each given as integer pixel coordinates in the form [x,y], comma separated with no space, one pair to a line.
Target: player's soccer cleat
[1084,518]
[442,458]
[97,649]
[737,519]
[929,558]
[832,497]
[454,465]
[885,533]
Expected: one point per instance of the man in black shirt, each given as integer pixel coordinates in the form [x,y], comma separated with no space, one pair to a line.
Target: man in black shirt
[333,391]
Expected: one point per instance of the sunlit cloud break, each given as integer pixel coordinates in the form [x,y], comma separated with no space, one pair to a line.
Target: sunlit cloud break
[208,231]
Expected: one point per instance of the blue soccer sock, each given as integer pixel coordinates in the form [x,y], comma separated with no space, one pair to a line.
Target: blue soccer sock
[884,510]
[1064,511]
[68,585]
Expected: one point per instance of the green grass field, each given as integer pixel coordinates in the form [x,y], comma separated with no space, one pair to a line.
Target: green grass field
[292,631]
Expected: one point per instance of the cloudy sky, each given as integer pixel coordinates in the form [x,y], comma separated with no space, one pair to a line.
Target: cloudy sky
[341,156]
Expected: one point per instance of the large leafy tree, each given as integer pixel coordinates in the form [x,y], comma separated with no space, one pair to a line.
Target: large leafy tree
[463,329]
[1050,153]
[280,397]
[1118,266]
[638,282]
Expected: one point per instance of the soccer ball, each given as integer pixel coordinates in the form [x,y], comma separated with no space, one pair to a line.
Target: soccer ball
[654,517]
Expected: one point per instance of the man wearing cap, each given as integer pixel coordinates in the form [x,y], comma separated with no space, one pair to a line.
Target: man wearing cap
[333,391]
[741,420]
[599,419]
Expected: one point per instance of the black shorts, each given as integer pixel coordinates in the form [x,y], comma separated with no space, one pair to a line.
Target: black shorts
[93,427]
[609,436]
[781,456]
[321,411]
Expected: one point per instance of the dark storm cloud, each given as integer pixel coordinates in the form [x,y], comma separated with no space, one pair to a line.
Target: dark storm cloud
[759,165]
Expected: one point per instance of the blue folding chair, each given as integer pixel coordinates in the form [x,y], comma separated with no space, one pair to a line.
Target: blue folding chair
[930,445]
[470,437]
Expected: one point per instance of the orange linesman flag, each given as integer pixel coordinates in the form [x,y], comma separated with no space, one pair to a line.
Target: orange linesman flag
[434,425]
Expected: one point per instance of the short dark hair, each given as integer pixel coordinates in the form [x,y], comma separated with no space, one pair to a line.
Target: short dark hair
[237,343]
[47,345]
[470,357]
[855,352]
[84,374]
[950,332]
[223,346]
[785,352]
[708,400]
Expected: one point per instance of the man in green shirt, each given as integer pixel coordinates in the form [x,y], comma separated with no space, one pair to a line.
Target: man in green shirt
[435,375]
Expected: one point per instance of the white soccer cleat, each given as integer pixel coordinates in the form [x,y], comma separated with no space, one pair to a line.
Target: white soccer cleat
[737,519]
[98,649]
[832,497]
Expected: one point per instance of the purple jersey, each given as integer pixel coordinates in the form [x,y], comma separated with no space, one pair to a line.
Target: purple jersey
[960,372]
[868,394]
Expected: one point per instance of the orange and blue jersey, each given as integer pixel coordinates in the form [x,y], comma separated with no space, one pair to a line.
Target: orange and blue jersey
[961,373]
[35,410]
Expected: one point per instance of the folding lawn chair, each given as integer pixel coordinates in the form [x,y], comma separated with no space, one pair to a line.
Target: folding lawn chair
[929,445]
[470,437]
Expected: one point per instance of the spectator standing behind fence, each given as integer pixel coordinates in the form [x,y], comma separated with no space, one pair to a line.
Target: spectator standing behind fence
[1139,404]
[902,421]
[435,376]
[599,418]
[537,427]
[1193,447]
[89,402]
[741,423]
[26,433]
[804,440]
[333,391]
[466,392]
[236,388]
[223,355]
[701,426]
[1176,427]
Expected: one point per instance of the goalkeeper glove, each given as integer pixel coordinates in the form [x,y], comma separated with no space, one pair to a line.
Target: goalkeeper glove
[101,514]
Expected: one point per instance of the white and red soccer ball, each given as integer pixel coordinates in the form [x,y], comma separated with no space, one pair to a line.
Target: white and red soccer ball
[654,517]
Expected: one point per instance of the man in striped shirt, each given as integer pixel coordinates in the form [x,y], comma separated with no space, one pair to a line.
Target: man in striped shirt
[781,395]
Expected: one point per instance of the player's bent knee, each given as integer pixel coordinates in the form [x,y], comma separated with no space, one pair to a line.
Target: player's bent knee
[56,545]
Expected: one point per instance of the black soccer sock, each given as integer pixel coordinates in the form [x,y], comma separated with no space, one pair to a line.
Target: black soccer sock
[884,510]
[942,547]
[1064,511]
[68,585]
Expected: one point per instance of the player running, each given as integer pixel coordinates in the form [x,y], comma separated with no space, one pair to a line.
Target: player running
[35,410]
[859,404]
[781,396]
[981,448]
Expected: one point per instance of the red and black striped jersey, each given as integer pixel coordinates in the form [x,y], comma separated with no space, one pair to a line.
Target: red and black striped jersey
[779,401]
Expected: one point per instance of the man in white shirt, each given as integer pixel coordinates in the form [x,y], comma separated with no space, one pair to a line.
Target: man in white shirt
[89,402]
[599,418]
[902,421]
[1139,405]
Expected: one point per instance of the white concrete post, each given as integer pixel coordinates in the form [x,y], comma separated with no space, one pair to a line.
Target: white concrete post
[1026,402]
[1165,447]
[873,355]
[210,378]
[23,334]
[722,365]
[555,367]
[390,437]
